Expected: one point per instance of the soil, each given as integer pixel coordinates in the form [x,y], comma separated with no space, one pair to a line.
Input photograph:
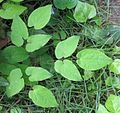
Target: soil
[115,11]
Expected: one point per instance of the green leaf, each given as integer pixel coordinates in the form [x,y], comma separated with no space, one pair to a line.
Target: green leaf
[84,11]
[3,82]
[67,47]
[102,109]
[15,54]
[68,70]
[16,110]
[37,74]
[88,74]
[19,31]
[113,82]
[63,4]
[92,59]
[115,66]
[10,10]
[47,62]
[6,68]
[35,42]
[16,82]
[113,104]
[42,97]
[17,0]
[40,17]
[1,1]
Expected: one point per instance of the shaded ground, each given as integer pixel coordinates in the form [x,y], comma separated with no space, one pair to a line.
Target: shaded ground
[115,11]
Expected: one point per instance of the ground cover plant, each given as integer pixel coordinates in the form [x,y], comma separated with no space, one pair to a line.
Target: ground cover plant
[58,56]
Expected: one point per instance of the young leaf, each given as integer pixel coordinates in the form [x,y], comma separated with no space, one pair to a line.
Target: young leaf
[16,82]
[115,66]
[92,59]
[68,70]
[15,54]
[10,10]
[19,31]
[84,11]
[63,4]
[35,42]
[113,82]
[67,47]
[88,74]
[113,104]
[102,109]
[16,110]
[42,97]
[40,17]
[37,74]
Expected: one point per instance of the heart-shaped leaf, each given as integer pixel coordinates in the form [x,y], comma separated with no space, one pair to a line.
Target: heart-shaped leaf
[68,70]
[67,47]
[35,42]
[92,59]
[15,54]
[63,4]
[84,11]
[102,109]
[115,66]
[113,104]
[40,17]
[16,82]
[37,74]
[43,97]
[19,31]
[10,10]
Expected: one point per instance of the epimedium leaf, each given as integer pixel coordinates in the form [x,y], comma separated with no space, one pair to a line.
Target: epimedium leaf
[115,66]
[17,0]
[63,4]
[92,59]
[113,82]
[88,74]
[16,110]
[47,62]
[35,42]
[19,31]
[3,82]
[42,97]
[84,11]
[37,74]
[68,70]
[10,10]
[113,103]
[16,39]
[6,68]
[102,109]
[15,54]
[40,17]
[67,47]
[16,82]
[1,1]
